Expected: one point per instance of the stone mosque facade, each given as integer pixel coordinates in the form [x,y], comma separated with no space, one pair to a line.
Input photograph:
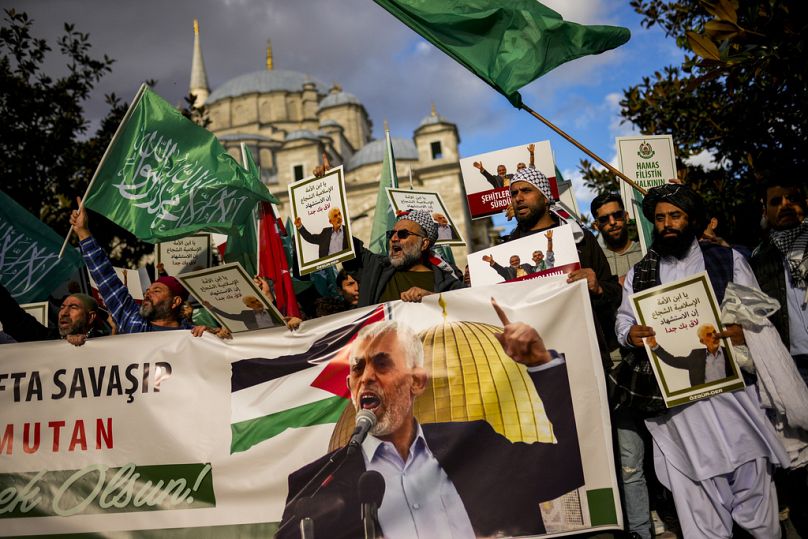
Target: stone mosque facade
[289,119]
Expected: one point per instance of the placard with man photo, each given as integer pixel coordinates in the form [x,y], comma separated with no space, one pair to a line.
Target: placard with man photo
[431,202]
[486,176]
[689,357]
[549,253]
[320,215]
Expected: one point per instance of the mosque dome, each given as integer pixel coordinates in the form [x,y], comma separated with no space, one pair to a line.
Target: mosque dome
[373,152]
[470,378]
[334,99]
[276,80]
[303,134]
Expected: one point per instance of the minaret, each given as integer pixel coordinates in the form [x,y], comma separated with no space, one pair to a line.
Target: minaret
[199,79]
[269,55]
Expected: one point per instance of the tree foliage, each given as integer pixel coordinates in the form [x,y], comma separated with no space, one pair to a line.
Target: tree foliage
[48,154]
[739,96]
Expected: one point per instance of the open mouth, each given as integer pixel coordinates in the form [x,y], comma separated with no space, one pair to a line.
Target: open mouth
[369,401]
[395,249]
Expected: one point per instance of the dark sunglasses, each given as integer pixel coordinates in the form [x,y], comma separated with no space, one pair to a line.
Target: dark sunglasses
[403,234]
[619,215]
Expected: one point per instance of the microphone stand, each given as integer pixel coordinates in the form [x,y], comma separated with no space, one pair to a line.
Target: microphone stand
[370,520]
[317,477]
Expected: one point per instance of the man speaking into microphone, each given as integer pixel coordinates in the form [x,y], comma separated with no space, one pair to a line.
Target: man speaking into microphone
[451,479]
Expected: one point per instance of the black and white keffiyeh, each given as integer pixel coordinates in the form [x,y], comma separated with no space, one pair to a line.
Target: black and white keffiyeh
[792,244]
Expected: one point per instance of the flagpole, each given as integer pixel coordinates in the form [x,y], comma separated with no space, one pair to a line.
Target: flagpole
[410,171]
[255,215]
[583,148]
[393,176]
[126,117]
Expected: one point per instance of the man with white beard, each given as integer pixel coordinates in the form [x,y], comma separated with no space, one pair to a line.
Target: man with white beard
[449,479]
[410,271]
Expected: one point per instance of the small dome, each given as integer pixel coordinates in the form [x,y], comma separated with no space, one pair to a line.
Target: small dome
[373,152]
[330,123]
[433,118]
[277,80]
[336,98]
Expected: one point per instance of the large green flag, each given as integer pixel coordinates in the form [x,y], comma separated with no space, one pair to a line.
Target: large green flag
[383,217]
[507,44]
[30,267]
[164,177]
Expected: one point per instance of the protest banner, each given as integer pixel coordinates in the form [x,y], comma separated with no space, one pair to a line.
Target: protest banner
[225,291]
[161,431]
[38,310]
[486,176]
[190,253]
[689,361]
[163,177]
[649,161]
[320,215]
[552,252]
[432,203]
[30,267]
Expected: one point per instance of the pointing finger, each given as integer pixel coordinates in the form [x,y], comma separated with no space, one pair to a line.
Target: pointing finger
[500,313]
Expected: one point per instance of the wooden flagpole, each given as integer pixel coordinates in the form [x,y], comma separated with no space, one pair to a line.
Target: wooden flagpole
[583,148]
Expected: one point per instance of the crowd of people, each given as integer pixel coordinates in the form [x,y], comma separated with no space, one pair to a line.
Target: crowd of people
[720,459]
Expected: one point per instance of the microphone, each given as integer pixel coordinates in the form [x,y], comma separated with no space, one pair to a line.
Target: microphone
[365,420]
[371,492]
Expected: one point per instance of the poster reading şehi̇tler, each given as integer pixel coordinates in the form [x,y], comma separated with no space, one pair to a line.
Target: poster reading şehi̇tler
[487,176]
[320,215]
[690,360]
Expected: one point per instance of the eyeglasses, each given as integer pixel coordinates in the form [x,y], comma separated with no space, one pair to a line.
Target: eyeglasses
[403,234]
[619,215]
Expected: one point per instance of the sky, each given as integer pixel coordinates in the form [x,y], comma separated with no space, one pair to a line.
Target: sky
[393,71]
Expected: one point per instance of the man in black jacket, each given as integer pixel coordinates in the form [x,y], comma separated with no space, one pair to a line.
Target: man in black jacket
[330,240]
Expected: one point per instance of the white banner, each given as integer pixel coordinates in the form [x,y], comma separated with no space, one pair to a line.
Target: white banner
[164,430]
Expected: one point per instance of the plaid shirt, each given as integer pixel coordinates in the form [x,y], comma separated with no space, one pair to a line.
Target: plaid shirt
[119,301]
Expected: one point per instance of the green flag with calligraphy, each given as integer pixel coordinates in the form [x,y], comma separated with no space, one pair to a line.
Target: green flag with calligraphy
[164,177]
[30,267]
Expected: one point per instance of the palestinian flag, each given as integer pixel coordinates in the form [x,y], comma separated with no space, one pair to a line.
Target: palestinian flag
[270,395]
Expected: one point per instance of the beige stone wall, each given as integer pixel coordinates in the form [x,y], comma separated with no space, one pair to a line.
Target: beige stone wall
[353,120]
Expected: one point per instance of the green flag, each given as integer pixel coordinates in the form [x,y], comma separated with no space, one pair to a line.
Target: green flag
[30,267]
[383,217]
[164,177]
[507,44]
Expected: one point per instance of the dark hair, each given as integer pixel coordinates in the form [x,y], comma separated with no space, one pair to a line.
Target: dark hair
[786,182]
[602,199]
[342,275]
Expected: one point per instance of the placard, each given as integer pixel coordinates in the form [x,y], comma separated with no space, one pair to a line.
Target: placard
[689,361]
[546,253]
[230,295]
[38,310]
[190,253]
[136,281]
[432,203]
[487,176]
[320,216]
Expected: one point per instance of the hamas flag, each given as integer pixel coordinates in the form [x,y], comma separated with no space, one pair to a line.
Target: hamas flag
[164,177]
[30,267]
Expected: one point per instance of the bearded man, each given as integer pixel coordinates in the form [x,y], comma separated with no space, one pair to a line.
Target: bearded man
[454,479]
[611,220]
[162,301]
[411,271]
[715,455]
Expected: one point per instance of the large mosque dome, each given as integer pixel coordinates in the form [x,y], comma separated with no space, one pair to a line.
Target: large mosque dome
[260,82]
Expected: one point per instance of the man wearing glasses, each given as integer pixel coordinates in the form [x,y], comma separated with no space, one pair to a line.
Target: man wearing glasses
[611,221]
[410,271]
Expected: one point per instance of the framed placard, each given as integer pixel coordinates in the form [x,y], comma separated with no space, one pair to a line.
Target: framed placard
[320,215]
[689,360]
[431,202]
[190,253]
[231,296]
[38,310]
